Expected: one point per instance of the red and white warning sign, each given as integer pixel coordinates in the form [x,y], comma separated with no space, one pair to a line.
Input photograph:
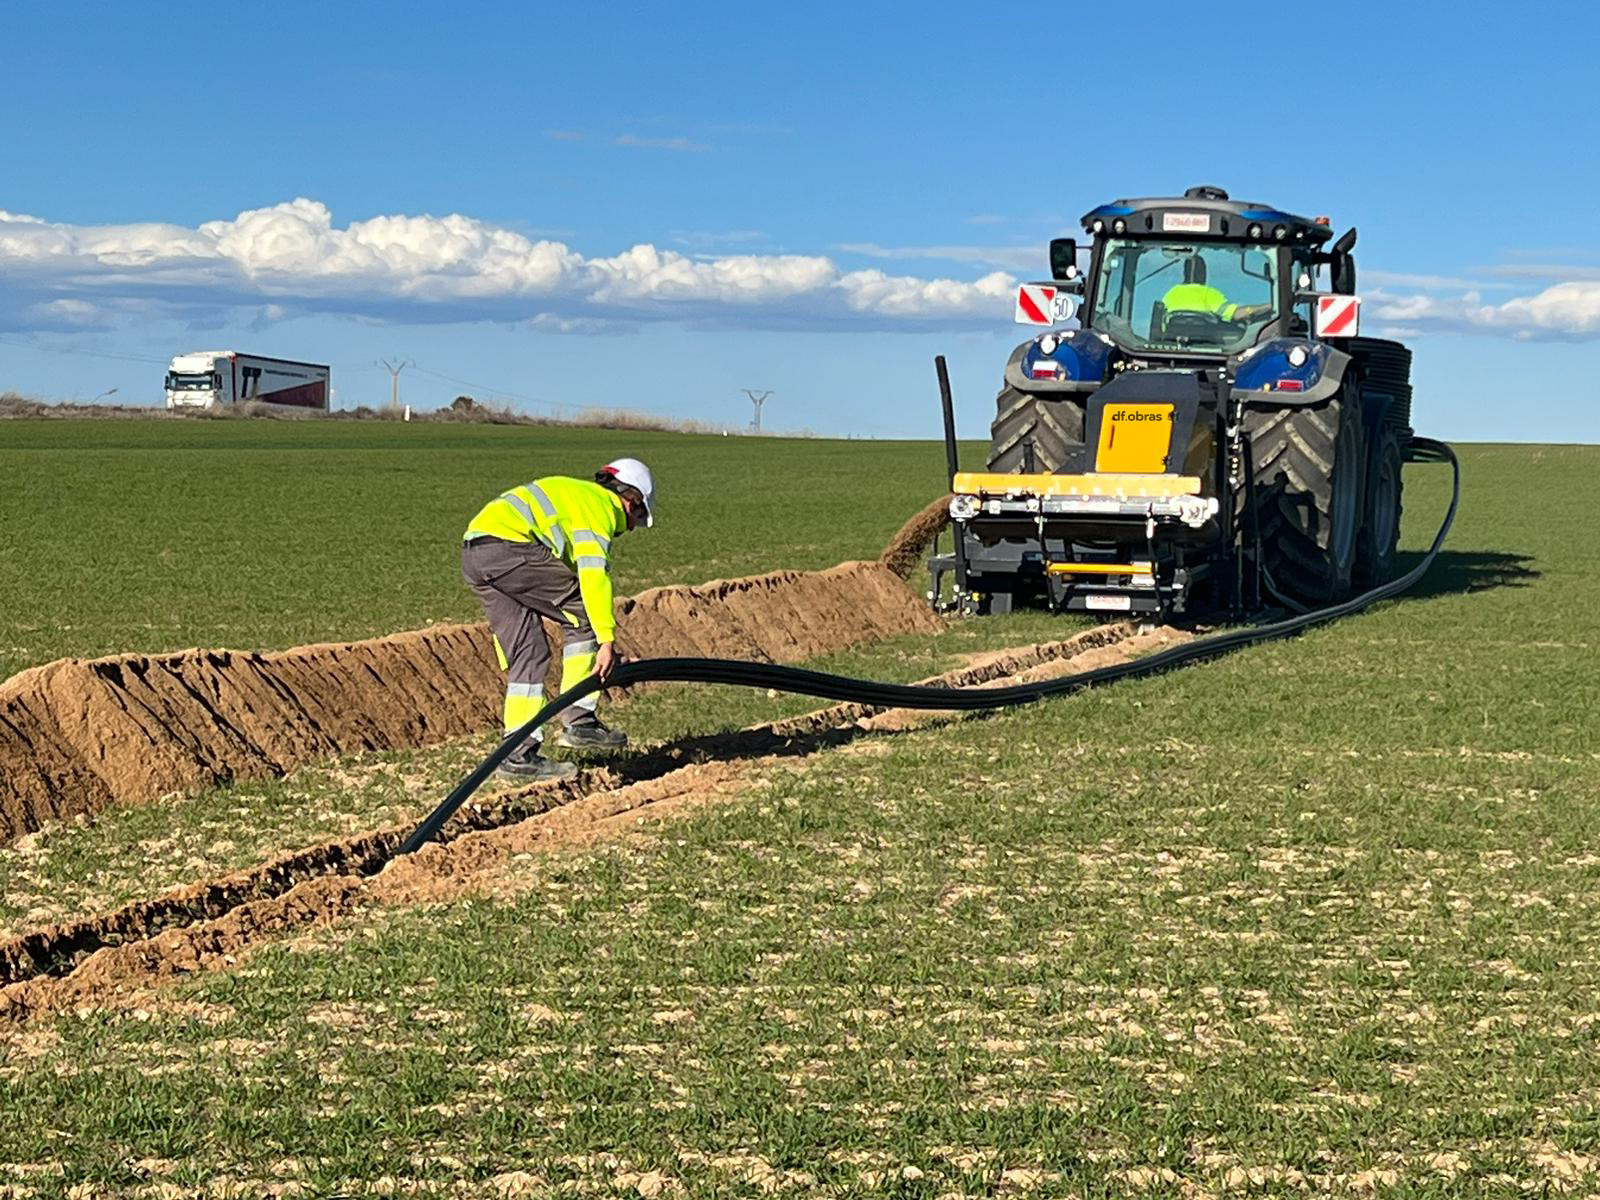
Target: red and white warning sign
[1042,304]
[1034,302]
[1338,316]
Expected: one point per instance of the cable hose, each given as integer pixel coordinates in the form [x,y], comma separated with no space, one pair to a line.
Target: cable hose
[804,682]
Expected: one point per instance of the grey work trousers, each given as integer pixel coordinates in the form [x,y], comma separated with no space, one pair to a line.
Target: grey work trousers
[518,583]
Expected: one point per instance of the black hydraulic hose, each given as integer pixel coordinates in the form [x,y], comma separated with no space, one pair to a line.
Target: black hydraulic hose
[892,695]
[952,458]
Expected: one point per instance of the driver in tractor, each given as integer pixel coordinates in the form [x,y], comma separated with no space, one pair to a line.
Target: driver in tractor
[1195,295]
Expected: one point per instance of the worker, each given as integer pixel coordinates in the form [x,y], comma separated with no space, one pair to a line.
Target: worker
[543,550]
[1195,295]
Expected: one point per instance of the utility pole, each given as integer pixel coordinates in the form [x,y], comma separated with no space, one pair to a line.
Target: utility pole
[758,399]
[394,378]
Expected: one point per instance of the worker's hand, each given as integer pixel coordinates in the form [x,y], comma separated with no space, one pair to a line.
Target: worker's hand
[605,659]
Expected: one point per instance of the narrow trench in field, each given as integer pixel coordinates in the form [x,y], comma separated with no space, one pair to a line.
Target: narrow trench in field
[211,921]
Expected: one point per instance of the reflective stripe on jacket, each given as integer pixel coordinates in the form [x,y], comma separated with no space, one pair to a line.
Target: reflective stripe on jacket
[576,519]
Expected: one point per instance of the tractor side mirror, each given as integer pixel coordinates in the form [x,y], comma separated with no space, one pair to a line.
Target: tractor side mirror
[1342,268]
[1342,275]
[1064,259]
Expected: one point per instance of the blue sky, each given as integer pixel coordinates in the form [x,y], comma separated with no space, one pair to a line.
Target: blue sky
[656,206]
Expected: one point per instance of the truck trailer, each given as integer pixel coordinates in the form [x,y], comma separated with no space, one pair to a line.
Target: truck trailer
[218,378]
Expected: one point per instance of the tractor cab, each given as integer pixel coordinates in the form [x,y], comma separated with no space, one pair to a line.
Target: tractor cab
[1197,280]
[1183,297]
[1197,276]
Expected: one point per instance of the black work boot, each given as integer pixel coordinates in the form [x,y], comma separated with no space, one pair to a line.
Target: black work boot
[526,763]
[589,733]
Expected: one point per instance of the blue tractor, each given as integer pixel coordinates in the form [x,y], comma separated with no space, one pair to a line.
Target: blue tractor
[1213,434]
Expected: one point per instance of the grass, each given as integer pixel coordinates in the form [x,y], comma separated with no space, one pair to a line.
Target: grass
[1319,917]
[123,535]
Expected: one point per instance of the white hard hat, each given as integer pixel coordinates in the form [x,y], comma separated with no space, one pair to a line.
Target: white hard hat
[637,476]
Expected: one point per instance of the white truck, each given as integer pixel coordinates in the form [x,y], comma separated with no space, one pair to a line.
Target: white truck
[216,378]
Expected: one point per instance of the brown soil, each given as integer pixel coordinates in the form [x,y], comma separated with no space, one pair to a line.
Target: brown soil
[213,923]
[908,549]
[471,863]
[79,735]
[780,617]
[474,861]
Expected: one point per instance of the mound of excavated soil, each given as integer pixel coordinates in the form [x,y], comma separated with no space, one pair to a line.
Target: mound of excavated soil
[908,548]
[214,923]
[79,735]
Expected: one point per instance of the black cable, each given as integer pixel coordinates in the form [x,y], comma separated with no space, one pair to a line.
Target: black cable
[891,695]
[1288,602]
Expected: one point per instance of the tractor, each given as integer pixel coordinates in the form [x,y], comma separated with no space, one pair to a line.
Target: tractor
[1211,434]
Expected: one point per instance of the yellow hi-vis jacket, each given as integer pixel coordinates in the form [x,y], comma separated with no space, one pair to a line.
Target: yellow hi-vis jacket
[576,519]
[1198,297]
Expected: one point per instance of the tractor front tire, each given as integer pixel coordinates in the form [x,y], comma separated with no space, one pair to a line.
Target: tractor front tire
[1033,433]
[1380,511]
[1309,465]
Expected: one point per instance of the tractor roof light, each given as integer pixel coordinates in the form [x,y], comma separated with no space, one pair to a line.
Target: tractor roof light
[1119,227]
[1325,222]
[1097,226]
[1280,232]
[1255,231]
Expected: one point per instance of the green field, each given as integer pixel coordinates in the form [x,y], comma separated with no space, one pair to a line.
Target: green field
[1322,917]
[121,535]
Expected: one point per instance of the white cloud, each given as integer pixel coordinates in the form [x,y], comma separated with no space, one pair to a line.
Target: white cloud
[1565,310]
[732,237]
[1016,258]
[661,143]
[873,291]
[1560,271]
[1405,279]
[550,323]
[1569,308]
[67,314]
[292,255]
[291,259]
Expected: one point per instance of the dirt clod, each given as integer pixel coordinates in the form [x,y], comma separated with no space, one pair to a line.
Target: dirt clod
[908,549]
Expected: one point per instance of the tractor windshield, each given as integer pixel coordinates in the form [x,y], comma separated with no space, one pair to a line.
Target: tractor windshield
[1209,297]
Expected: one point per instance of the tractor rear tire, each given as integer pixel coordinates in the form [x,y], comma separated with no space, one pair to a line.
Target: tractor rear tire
[1309,464]
[1034,433]
[1380,511]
